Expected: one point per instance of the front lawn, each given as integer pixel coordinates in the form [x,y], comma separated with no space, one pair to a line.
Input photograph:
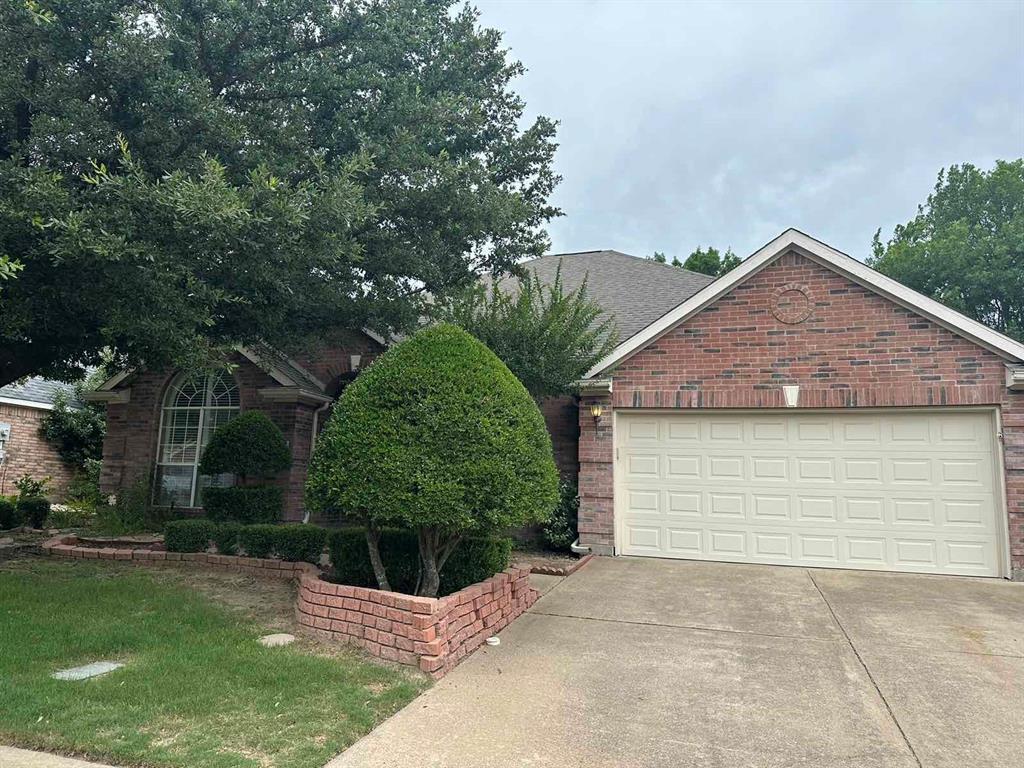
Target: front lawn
[197,688]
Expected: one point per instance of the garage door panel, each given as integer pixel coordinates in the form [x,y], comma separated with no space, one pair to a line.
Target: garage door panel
[838,490]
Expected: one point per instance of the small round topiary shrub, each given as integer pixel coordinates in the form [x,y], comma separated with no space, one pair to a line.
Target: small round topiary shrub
[252,448]
[437,436]
[10,516]
[34,510]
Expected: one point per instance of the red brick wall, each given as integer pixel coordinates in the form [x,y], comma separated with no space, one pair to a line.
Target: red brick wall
[856,349]
[29,453]
[130,448]
[561,417]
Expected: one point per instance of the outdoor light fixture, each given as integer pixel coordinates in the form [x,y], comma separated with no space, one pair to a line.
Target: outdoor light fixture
[596,410]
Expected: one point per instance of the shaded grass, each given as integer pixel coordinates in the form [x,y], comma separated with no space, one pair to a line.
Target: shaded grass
[197,689]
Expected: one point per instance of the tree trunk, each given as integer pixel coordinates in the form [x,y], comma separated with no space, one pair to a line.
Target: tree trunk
[435,548]
[373,544]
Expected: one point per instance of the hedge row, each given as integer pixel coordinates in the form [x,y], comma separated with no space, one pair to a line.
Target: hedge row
[473,560]
[294,543]
[32,510]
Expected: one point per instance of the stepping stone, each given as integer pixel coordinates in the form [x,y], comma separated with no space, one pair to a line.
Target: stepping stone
[273,641]
[95,669]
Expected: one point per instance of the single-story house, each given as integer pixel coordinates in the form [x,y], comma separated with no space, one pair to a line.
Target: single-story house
[23,450]
[802,409]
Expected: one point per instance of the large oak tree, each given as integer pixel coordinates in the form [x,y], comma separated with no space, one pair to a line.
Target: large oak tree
[180,176]
[965,247]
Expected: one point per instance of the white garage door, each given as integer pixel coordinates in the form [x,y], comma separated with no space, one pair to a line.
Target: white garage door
[896,490]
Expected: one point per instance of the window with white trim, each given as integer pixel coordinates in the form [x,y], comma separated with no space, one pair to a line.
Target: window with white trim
[195,405]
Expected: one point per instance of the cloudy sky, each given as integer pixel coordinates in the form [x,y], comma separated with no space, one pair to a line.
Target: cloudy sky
[686,123]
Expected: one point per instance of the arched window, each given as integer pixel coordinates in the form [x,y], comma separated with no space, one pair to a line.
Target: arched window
[195,405]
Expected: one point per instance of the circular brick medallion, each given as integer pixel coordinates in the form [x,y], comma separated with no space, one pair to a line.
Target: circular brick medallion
[792,303]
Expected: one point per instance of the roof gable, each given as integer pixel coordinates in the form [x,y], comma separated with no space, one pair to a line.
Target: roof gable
[815,250]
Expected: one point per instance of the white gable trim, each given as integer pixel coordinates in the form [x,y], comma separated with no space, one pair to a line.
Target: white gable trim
[827,256]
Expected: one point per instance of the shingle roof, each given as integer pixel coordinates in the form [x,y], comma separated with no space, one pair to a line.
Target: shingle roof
[38,390]
[634,290]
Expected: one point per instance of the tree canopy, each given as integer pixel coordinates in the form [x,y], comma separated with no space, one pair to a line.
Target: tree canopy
[547,336]
[180,176]
[711,262]
[965,247]
[436,436]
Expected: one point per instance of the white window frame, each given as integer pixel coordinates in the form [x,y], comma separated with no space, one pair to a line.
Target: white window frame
[204,410]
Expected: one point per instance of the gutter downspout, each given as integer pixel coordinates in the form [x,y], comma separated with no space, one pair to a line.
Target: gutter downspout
[312,440]
[577,549]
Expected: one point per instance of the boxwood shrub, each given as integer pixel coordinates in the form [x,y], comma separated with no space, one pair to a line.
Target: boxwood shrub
[188,535]
[33,510]
[473,560]
[299,543]
[225,537]
[258,540]
[244,503]
[10,516]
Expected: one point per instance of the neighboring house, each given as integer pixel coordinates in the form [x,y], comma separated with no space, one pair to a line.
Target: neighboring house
[802,409]
[23,451]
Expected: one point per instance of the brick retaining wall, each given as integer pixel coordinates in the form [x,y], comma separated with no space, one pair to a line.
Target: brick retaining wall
[433,634]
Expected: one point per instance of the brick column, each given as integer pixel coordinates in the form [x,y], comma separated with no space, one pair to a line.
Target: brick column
[596,521]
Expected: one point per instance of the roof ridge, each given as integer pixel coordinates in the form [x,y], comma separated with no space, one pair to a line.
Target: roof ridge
[643,259]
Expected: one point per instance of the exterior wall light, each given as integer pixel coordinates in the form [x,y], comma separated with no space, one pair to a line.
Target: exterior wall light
[597,411]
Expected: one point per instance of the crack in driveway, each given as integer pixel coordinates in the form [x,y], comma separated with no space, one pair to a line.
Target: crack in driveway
[864,666]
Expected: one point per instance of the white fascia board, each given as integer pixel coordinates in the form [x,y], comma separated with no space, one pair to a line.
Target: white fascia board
[793,239]
[375,336]
[293,395]
[107,396]
[26,403]
[114,380]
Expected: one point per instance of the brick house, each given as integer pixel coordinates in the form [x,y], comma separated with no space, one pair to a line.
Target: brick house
[23,451]
[802,409]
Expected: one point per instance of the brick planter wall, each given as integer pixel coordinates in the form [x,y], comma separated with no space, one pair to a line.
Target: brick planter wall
[433,634]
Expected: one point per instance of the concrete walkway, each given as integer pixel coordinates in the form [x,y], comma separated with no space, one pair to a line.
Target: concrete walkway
[657,663]
[10,757]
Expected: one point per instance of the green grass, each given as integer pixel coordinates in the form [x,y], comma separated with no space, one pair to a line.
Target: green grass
[197,689]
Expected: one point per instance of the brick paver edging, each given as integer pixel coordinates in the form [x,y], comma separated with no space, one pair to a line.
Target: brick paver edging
[562,570]
[433,634]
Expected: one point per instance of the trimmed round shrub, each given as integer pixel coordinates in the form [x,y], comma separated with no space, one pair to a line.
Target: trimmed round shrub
[258,540]
[250,445]
[188,535]
[438,436]
[34,510]
[244,503]
[299,543]
[10,516]
[225,537]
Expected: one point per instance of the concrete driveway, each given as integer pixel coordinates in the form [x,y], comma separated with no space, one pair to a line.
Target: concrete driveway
[634,662]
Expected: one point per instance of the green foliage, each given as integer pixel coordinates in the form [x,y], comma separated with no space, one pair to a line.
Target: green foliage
[295,166]
[244,504]
[131,513]
[30,487]
[34,510]
[76,432]
[659,256]
[548,337]
[472,561]
[560,531]
[711,262]
[225,537]
[10,515]
[439,437]
[965,247]
[188,535]
[299,543]
[258,540]
[71,515]
[250,445]
[84,487]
